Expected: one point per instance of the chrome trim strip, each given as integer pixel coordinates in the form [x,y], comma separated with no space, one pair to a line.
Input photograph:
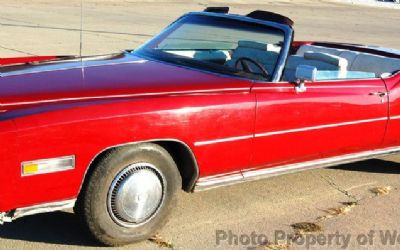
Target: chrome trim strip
[345,80]
[4,218]
[25,72]
[44,208]
[340,86]
[36,209]
[220,175]
[394,117]
[243,137]
[245,90]
[211,182]
[284,54]
[74,65]
[313,87]
[319,127]
[236,138]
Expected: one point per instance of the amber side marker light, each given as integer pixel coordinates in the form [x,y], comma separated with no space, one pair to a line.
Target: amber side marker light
[47,165]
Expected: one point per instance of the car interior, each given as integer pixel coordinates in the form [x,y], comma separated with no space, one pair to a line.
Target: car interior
[330,63]
[334,63]
[255,56]
[264,54]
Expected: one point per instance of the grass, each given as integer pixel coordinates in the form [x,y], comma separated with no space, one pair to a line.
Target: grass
[162,243]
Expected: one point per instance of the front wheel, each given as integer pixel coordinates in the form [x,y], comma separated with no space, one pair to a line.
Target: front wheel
[129,194]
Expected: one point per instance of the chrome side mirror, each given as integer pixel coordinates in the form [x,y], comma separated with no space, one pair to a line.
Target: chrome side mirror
[304,73]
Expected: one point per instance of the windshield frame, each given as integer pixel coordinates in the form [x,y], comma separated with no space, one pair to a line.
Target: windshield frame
[278,71]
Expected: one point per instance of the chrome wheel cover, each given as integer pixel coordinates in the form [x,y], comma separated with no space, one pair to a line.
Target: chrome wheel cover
[136,194]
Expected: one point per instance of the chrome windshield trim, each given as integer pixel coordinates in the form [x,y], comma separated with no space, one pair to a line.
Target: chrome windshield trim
[210,182]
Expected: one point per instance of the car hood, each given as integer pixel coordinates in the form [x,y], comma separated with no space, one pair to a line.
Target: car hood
[120,76]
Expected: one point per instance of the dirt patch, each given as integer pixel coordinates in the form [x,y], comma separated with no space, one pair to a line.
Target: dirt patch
[275,246]
[381,190]
[332,212]
[306,228]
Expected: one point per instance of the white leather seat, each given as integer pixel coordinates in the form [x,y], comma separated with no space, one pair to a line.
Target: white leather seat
[347,54]
[350,56]
[312,48]
[338,61]
[377,64]
[357,61]
[265,54]
[322,61]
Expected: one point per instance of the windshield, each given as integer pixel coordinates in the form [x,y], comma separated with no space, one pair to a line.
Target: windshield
[219,44]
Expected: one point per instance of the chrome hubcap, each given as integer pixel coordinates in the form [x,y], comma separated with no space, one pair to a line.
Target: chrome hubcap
[136,194]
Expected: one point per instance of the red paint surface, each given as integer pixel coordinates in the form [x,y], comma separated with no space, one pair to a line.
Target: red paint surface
[19,60]
[59,113]
[279,108]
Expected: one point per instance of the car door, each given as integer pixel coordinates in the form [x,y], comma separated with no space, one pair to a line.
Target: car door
[330,118]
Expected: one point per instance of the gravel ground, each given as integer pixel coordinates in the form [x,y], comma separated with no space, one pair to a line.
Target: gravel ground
[264,207]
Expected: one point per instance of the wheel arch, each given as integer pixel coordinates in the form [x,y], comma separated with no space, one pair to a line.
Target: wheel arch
[179,151]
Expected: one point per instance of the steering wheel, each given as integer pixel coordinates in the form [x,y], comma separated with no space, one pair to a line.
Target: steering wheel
[244,62]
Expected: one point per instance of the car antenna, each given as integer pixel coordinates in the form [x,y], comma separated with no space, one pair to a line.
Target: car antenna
[81,31]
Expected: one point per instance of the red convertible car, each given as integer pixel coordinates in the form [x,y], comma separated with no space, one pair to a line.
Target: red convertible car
[215,99]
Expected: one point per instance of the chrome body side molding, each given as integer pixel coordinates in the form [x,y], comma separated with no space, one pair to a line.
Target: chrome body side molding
[210,182]
[293,130]
[37,209]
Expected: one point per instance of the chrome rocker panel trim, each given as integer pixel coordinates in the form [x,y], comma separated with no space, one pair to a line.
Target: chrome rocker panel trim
[37,209]
[211,182]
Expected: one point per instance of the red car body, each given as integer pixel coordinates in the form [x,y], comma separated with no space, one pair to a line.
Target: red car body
[228,129]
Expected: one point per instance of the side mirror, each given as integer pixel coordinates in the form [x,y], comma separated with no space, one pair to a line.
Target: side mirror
[304,73]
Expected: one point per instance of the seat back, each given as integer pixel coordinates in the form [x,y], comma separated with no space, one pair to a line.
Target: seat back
[313,48]
[377,64]
[321,61]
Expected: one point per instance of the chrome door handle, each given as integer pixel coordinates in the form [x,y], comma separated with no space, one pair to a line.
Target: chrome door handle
[379,93]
